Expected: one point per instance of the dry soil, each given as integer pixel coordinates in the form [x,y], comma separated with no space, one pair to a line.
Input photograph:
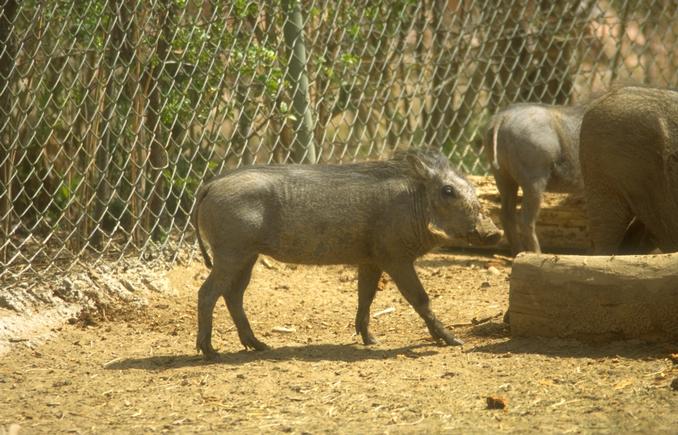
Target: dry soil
[138,370]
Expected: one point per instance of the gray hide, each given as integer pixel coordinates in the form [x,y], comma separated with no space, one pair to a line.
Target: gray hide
[378,215]
[534,147]
[629,162]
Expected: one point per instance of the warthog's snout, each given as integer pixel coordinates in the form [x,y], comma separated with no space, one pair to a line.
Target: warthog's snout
[485,232]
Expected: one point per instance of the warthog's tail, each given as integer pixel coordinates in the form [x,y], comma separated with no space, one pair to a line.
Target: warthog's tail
[495,134]
[202,192]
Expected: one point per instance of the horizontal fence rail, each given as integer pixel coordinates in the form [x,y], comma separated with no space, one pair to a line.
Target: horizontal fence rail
[113,112]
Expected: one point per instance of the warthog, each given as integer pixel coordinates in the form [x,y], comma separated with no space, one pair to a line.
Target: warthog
[629,163]
[534,147]
[378,215]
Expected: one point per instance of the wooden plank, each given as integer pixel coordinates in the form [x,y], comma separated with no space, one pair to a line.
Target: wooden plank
[595,298]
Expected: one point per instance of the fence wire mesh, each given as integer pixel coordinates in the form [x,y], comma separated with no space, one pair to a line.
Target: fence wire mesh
[112,112]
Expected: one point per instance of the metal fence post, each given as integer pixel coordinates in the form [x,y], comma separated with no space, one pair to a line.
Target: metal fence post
[304,148]
[7,140]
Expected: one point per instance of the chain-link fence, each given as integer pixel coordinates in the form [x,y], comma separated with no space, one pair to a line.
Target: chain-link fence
[112,112]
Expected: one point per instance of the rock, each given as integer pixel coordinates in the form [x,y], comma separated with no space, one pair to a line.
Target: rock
[497,402]
[128,285]
[268,264]
[493,270]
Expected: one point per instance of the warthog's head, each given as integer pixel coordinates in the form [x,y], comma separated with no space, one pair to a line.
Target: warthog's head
[454,210]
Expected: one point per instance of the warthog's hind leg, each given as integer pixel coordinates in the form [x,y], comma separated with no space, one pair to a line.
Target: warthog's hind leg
[233,295]
[207,298]
[508,192]
[529,210]
[368,278]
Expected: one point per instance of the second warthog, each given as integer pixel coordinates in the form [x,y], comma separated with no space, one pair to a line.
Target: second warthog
[378,215]
[534,147]
[629,161]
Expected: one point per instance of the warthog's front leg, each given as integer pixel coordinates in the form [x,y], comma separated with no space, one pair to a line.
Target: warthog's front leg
[409,285]
[609,218]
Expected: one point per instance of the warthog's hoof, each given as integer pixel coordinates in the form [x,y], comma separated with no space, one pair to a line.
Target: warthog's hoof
[369,339]
[449,339]
[453,341]
[209,353]
[255,344]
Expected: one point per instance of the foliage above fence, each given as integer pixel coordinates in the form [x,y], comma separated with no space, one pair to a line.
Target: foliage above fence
[112,112]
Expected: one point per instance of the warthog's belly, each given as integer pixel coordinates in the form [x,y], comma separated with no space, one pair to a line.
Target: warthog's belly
[309,247]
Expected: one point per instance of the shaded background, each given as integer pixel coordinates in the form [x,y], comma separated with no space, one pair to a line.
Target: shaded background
[113,112]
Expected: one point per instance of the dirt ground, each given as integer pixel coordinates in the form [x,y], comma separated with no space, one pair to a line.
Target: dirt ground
[138,370]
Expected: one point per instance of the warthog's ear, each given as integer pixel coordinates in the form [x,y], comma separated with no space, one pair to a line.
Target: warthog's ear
[420,168]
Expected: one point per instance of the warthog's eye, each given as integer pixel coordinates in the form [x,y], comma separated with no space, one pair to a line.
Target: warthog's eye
[449,192]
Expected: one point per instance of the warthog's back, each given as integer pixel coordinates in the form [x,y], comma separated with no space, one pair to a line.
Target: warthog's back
[632,130]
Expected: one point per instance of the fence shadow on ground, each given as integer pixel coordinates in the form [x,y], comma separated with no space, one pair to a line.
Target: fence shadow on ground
[310,353]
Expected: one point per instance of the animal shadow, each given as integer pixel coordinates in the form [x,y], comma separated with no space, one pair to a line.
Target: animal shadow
[310,353]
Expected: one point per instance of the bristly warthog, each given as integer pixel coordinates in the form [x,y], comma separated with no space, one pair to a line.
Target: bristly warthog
[534,147]
[629,162]
[378,215]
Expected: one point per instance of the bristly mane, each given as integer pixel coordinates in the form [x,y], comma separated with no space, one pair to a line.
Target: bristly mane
[434,159]
[399,165]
